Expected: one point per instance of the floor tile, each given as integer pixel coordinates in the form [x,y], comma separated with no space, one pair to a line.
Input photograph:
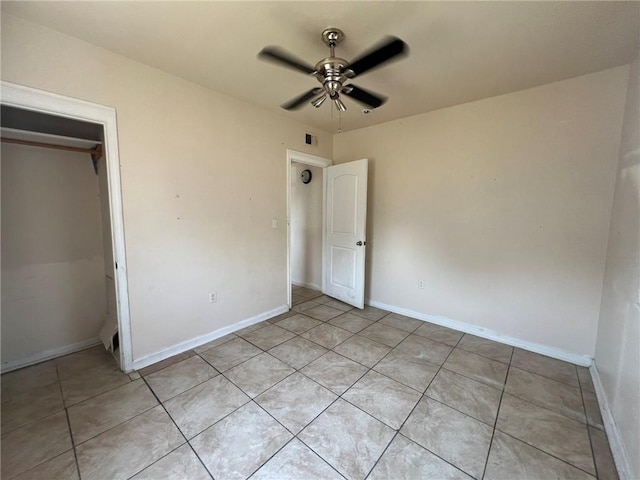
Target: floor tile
[348,439]
[94,357]
[511,458]
[33,444]
[546,366]
[296,401]
[408,460]
[307,292]
[20,381]
[268,337]
[327,335]
[401,322]
[116,454]
[334,372]
[181,464]
[105,411]
[323,299]
[282,316]
[167,362]
[296,461]
[370,313]
[362,350]
[602,455]
[385,399]
[409,370]
[252,328]
[477,368]
[439,334]
[556,396]
[487,348]
[258,374]
[304,306]
[350,322]
[298,323]
[551,432]
[85,384]
[33,404]
[476,399]
[177,378]
[295,299]
[215,343]
[203,405]
[425,349]
[592,409]
[239,444]
[337,304]
[323,312]
[134,376]
[584,376]
[384,334]
[61,467]
[230,354]
[298,352]
[453,436]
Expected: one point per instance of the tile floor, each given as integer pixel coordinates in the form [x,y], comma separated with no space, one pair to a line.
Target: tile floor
[321,392]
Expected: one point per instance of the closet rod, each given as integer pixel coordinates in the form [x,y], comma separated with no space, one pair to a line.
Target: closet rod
[95,151]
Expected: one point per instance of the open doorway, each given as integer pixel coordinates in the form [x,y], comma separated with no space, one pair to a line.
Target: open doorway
[75,246]
[305,204]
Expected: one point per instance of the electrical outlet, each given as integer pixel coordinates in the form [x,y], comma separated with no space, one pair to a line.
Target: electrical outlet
[421,284]
[213,297]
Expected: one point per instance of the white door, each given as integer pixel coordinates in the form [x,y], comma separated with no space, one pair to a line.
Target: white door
[345,226]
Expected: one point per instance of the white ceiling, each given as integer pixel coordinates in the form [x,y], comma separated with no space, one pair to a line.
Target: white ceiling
[460,51]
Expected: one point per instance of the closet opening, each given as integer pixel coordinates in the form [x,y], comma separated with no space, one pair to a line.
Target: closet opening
[62,242]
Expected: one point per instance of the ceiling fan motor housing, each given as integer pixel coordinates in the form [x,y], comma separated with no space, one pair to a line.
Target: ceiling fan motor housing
[330,72]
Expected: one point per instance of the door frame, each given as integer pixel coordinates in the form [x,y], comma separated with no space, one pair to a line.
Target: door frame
[28,98]
[314,161]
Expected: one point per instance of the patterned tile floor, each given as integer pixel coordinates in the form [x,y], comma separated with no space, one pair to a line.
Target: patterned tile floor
[321,392]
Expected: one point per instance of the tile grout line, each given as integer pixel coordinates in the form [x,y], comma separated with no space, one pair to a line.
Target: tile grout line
[584,406]
[66,413]
[495,423]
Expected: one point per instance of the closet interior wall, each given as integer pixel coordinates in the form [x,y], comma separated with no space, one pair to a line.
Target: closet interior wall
[55,253]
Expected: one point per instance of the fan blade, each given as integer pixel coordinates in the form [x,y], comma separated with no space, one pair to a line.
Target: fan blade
[285,59]
[370,99]
[392,47]
[302,99]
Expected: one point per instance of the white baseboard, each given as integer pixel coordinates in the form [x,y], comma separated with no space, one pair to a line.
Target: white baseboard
[312,286]
[553,352]
[616,444]
[201,340]
[49,354]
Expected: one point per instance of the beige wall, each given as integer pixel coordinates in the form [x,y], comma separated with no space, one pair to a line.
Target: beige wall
[618,344]
[501,206]
[202,177]
[306,227]
[53,289]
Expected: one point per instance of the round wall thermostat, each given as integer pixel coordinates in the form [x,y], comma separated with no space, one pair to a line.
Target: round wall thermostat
[305,176]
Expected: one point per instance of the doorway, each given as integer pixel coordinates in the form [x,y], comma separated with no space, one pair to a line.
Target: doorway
[57,110]
[305,213]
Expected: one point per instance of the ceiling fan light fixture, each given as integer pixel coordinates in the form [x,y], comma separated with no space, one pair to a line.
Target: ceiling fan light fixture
[319,101]
[339,105]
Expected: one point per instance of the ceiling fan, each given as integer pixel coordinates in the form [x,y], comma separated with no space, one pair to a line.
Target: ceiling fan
[333,72]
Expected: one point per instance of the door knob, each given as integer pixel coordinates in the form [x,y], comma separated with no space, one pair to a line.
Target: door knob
[359,243]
